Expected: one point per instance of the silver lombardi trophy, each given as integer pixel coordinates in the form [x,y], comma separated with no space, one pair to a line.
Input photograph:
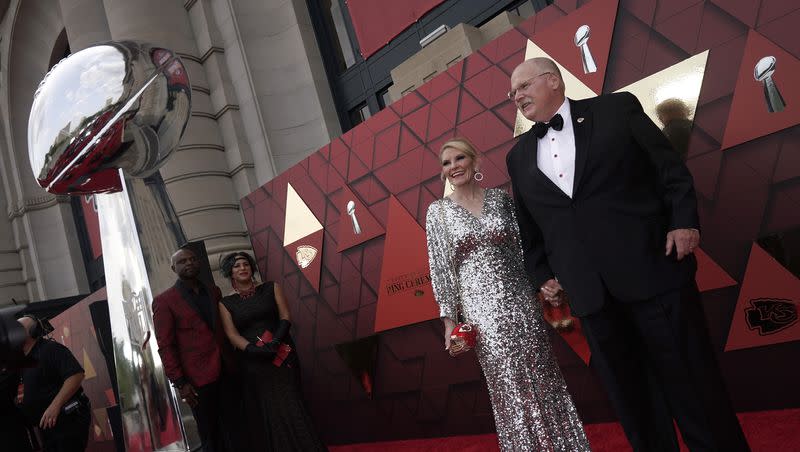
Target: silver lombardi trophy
[108,112]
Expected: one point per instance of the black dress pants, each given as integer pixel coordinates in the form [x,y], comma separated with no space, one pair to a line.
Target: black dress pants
[207,415]
[657,364]
[70,434]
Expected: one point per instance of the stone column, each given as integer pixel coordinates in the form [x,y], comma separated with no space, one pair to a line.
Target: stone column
[242,131]
[49,263]
[85,23]
[289,88]
[197,177]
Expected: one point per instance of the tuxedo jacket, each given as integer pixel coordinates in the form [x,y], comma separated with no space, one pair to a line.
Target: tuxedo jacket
[191,349]
[630,189]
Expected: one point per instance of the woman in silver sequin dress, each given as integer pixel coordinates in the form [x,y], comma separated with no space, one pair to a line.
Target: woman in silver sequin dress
[476,261]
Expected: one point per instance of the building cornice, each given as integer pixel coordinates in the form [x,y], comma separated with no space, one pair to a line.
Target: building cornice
[36,203]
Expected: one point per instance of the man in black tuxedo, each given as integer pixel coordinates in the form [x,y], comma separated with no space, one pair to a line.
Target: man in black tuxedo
[608,214]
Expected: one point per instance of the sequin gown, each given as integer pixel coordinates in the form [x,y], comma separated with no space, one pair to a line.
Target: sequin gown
[479,261]
[275,417]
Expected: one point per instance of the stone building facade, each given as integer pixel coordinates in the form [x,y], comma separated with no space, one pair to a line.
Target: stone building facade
[260,103]
[265,95]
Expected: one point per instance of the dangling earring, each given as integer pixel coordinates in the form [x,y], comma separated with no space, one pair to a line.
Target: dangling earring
[452,187]
[478,176]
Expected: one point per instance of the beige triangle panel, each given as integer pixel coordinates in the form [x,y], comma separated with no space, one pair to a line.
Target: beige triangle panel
[674,88]
[575,88]
[88,367]
[448,189]
[300,221]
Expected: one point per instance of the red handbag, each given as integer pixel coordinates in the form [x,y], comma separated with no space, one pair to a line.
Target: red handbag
[283,349]
[466,332]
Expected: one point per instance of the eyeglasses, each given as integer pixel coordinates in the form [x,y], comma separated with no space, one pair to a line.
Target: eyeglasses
[511,94]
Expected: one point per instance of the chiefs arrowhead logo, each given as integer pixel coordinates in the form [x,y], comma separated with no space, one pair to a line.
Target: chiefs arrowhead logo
[770,315]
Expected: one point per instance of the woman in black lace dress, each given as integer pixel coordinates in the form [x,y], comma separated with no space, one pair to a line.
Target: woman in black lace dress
[256,321]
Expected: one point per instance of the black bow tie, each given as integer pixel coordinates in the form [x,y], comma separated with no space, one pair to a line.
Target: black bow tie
[540,128]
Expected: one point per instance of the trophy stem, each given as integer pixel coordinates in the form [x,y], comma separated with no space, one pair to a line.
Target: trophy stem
[589,65]
[775,102]
[356,226]
[148,404]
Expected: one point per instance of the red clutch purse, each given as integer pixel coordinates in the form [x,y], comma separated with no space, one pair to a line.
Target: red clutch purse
[283,349]
[466,332]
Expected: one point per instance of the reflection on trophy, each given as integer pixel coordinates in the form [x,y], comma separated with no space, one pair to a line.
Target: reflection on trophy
[763,73]
[351,210]
[581,40]
[305,255]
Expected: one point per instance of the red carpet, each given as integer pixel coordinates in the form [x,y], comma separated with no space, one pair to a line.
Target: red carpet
[766,431]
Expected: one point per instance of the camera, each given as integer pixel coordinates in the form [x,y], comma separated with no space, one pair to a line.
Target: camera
[12,337]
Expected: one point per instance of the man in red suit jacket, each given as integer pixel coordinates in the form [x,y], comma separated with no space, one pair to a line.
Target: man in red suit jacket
[190,342]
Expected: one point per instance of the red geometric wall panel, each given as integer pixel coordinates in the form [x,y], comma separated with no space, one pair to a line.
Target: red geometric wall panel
[74,329]
[710,275]
[405,296]
[388,165]
[749,115]
[376,23]
[89,207]
[766,312]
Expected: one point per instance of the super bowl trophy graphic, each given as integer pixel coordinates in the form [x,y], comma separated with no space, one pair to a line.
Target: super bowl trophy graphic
[101,120]
[763,73]
[351,210]
[582,41]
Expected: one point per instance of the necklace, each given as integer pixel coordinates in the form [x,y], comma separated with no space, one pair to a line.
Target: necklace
[244,293]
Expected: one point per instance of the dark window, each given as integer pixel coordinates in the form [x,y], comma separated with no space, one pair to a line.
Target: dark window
[383,97]
[523,9]
[359,114]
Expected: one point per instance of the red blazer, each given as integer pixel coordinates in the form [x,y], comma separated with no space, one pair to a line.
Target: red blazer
[190,349]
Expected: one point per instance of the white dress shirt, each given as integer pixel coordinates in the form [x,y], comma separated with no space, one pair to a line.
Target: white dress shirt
[556,155]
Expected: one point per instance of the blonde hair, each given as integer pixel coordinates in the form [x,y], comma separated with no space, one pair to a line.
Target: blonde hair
[462,144]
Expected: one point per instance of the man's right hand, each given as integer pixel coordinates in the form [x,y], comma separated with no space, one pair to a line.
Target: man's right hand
[189,395]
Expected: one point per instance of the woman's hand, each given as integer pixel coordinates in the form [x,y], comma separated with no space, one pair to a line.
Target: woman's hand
[449,324]
[455,346]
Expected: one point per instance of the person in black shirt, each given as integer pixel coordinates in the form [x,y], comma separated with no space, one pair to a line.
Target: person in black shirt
[52,397]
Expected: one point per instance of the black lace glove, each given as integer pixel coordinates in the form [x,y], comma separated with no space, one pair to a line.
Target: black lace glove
[282,331]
